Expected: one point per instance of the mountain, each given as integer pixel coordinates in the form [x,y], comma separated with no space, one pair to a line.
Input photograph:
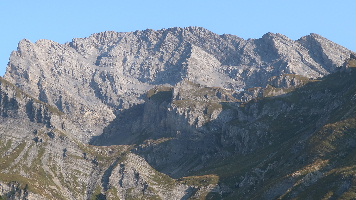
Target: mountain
[179,113]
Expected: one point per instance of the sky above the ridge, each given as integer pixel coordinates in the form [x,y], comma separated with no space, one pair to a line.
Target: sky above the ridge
[63,20]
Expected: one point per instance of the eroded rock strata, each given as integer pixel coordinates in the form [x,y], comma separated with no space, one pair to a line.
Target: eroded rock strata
[179,113]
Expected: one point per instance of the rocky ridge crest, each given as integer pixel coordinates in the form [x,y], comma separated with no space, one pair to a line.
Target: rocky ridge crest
[99,76]
[136,109]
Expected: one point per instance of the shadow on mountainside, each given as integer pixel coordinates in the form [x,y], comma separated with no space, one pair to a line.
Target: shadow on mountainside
[318,125]
[267,139]
[165,138]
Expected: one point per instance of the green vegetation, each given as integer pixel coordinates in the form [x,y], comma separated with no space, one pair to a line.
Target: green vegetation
[37,179]
[113,193]
[4,147]
[319,159]
[158,89]
[200,181]
[6,161]
[271,90]
[97,195]
[194,91]
[160,94]
[19,93]
[161,179]
[22,94]
[131,194]
[302,144]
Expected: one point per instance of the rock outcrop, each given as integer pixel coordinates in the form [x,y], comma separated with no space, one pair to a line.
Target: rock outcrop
[99,76]
[178,113]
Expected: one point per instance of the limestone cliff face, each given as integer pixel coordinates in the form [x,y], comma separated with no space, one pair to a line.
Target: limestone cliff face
[41,158]
[101,75]
[176,113]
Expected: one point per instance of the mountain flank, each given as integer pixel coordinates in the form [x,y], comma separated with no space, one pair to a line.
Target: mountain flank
[178,113]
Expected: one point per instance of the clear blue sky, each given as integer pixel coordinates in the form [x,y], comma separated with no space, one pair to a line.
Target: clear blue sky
[63,20]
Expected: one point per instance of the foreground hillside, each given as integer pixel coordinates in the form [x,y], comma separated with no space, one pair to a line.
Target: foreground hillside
[179,113]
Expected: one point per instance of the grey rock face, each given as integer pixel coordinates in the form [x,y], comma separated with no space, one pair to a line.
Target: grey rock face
[101,75]
[40,161]
[110,115]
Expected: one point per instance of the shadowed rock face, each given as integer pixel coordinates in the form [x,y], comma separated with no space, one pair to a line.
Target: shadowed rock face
[105,73]
[110,115]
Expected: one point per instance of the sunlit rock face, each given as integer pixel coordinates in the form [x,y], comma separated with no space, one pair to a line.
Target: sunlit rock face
[177,113]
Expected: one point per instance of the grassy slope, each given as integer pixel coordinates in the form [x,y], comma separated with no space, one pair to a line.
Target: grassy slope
[311,158]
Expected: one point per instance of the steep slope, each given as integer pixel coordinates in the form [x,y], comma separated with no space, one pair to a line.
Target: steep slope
[108,72]
[40,161]
[178,113]
[304,141]
[275,147]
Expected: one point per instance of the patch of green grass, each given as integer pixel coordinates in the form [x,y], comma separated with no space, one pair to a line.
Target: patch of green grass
[156,142]
[132,195]
[199,181]
[97,195]
[6,161]
[160,94]
[19,93]
[54,109]
[113,193]
[22,94]
[334,138]
[296,124]
[158,89]
[32,185]
[19,179]
[5,147]
[162,179]
[271,91]
[25,156]
[38,180]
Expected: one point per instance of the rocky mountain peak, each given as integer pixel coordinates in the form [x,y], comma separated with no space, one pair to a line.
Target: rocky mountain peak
[178,113]
[109,72]
[271,35]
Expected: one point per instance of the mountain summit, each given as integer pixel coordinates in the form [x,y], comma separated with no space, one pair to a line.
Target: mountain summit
[178,113]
